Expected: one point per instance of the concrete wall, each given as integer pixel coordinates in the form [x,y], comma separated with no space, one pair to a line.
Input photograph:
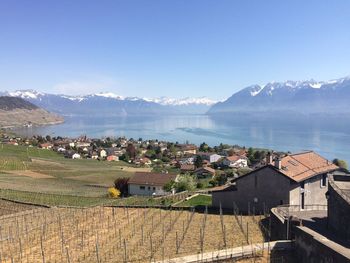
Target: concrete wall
[315,193]
[338,214]
[313,190]
[134,189]
[313,248]
[269,190]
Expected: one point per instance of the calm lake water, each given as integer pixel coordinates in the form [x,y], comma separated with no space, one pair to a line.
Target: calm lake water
[329,136]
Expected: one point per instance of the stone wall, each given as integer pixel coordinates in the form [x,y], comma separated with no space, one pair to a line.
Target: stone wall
[313,248]
[338,211]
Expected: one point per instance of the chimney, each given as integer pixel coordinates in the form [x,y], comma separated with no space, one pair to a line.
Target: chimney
[278,163]
[269,158]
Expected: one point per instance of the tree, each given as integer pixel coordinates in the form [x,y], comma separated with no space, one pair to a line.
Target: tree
[341,163]
[203,147]
[122,185]
[131,151]
[231,152]
[168,187]
[185,182]
[219,179]
[199,161]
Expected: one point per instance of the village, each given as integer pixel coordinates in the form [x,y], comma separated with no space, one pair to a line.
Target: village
[298,197]
[212,166]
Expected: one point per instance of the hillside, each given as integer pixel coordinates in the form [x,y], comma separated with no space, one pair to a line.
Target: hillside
[307,97]
[16,112]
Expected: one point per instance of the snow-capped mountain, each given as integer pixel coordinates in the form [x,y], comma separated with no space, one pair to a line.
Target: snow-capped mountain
[110,103]
[184,101]
[293,96]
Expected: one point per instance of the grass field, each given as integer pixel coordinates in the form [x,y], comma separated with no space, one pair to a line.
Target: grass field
[199,200]
[119,234]
[42,176]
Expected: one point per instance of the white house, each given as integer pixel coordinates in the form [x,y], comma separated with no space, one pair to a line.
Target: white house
[210,157]
[149,183]
[76,156]
[235,161]
[103,153]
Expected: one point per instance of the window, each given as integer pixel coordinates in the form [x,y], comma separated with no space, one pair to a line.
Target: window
[324,180]
[154,188]
[149,188]
[142,188]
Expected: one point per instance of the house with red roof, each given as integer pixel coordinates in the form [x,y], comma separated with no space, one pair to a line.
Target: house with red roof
[235,161]
[298,180]
[142,183]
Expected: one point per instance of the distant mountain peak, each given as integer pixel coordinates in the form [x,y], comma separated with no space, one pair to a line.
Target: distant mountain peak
[108,95]
[26,94]
[184,101]
[309,96]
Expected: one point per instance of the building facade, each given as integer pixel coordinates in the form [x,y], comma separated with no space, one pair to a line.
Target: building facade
[296,180]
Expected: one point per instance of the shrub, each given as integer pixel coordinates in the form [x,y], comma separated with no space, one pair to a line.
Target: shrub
[113,192]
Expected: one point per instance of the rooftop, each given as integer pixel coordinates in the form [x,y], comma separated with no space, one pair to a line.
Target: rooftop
[156,179]
[301,166]
[341,182]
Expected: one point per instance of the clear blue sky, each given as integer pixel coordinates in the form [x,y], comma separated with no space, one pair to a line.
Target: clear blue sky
[175,48]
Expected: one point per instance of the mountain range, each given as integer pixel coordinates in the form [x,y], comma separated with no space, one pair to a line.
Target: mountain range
[112,104]
[306,97]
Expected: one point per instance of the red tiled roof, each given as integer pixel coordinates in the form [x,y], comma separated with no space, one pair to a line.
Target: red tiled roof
[304,165]
[158,179]
[235,158]
[187,167]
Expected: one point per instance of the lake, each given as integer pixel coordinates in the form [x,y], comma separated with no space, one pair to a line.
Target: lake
[327,135]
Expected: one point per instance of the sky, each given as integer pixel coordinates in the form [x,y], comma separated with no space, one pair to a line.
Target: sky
[178,48]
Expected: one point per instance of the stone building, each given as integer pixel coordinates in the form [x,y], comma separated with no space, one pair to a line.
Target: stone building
[298,180]
[339,204]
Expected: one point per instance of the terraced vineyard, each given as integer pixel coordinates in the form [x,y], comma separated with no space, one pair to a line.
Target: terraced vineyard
[103,234]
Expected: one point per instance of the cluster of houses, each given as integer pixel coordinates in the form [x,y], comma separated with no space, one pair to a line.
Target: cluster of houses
[182,156]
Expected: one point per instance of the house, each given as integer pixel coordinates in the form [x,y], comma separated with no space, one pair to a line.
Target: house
[235,161]
[205,172]
[188,148]
[297,180]
[76,156]
[145,161]
[149,184]
[111,158]
[94,155]
[46,146]
[188,160]
[103,153]
[61,149]
[211,157]
[187,168]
